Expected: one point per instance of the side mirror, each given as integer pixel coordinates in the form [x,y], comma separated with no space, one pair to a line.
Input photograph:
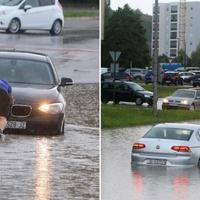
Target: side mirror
[27,7]
[66,82]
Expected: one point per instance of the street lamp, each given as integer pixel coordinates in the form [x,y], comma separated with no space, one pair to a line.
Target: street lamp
[155,60]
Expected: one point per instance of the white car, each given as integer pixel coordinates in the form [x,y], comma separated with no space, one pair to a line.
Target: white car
[21,15]
[170,144]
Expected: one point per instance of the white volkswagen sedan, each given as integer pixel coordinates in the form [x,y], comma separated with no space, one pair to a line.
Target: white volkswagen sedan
[21,15]
[170,144]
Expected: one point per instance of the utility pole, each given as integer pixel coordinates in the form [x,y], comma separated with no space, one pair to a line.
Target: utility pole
[155,60]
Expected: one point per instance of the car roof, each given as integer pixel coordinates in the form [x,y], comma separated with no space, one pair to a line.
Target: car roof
[26,55]
[179,125]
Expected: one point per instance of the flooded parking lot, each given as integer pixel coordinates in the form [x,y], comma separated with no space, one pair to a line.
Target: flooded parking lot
[120,181]
[42,168]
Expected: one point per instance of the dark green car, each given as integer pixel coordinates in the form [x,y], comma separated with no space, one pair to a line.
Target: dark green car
[125,91]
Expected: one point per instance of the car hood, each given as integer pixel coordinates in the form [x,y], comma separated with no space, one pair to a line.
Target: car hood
[7,8]
[190,100]
[24,93]
[145,92]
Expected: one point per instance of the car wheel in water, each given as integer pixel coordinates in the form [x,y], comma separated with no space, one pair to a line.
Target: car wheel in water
[14,26]
[138,101]
[61,128]
[56,28]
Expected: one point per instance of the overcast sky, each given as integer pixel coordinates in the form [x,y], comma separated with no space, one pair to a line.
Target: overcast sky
[144,5]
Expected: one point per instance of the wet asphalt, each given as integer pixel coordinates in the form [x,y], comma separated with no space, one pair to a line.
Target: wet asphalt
[120,181]
[67,166]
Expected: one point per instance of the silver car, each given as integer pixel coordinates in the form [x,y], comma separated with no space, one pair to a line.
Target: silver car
[188,99]
[170,144]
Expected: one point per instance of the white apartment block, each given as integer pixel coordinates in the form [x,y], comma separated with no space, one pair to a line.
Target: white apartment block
[169,19]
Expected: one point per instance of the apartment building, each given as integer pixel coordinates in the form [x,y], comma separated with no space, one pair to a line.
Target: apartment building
[170,27]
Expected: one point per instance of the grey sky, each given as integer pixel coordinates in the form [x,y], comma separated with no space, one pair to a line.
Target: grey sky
[144,5]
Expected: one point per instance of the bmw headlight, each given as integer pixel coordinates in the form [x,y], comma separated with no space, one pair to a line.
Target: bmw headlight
[185,102]
[147,96]
[165,100]
[53,108]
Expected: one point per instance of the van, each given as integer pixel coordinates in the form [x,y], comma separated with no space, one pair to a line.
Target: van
[17,16]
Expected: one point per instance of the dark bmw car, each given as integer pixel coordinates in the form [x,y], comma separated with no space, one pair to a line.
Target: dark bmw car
[125,91]
[39,105]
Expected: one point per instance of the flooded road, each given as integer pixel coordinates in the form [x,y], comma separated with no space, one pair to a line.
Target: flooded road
[44,168]
[120,182]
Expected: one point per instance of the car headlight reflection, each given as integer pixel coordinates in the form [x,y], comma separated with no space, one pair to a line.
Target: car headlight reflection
[185,102]
[54,108]
[165,100]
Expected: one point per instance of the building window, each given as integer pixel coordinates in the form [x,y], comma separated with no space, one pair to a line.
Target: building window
[174,9]
[173,35]
[173,26]
[173,18]
[173,44]
[173,53]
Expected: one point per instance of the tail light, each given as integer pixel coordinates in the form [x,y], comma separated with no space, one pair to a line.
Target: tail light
[181,148]
[138,146]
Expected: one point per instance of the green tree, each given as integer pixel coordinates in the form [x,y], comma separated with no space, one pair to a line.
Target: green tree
[163,59]
[195,57]
[124,32]
[182,58]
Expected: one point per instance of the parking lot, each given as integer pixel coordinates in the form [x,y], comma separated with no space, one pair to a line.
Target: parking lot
[61,167]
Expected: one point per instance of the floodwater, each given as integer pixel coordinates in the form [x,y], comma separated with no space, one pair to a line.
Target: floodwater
[64,167]
[120,182]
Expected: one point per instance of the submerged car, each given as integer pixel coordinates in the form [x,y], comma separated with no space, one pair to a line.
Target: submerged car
[39,105]
[125,91]
[169,144]
[188,99]
[17,16]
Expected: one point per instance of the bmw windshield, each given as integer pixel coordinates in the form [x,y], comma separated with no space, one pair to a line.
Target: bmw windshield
[26,71]
[10,2]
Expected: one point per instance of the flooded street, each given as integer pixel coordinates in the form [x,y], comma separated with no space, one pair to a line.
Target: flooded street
[64,167]
[119,181]
[43,168]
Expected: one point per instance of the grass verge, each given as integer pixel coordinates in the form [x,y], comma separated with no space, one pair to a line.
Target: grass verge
[118,116]
[81,13]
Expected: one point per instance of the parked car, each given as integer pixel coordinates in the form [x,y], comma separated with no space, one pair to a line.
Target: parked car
[21,15]
[39,105]
[196,79]
[148,78]
[186,77]
[170,144]
[123,76]
[183,99]
[125,91]
[171,77]
[137,73]
[104,70]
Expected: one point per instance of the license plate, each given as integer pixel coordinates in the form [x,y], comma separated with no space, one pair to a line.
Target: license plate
[168,81]
[16,125]
[156,162]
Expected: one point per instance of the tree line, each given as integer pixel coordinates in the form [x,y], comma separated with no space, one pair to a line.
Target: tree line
[129,31]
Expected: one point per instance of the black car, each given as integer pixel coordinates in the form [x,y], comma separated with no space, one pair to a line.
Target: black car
[125,91]
[196,80]
[39,105]
[171,77]
[123,76]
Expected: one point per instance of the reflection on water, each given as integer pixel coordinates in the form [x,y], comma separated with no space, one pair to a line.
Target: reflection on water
[42,169]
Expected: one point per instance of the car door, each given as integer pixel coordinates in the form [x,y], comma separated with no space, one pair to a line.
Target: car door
[122,92]
[31,18]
